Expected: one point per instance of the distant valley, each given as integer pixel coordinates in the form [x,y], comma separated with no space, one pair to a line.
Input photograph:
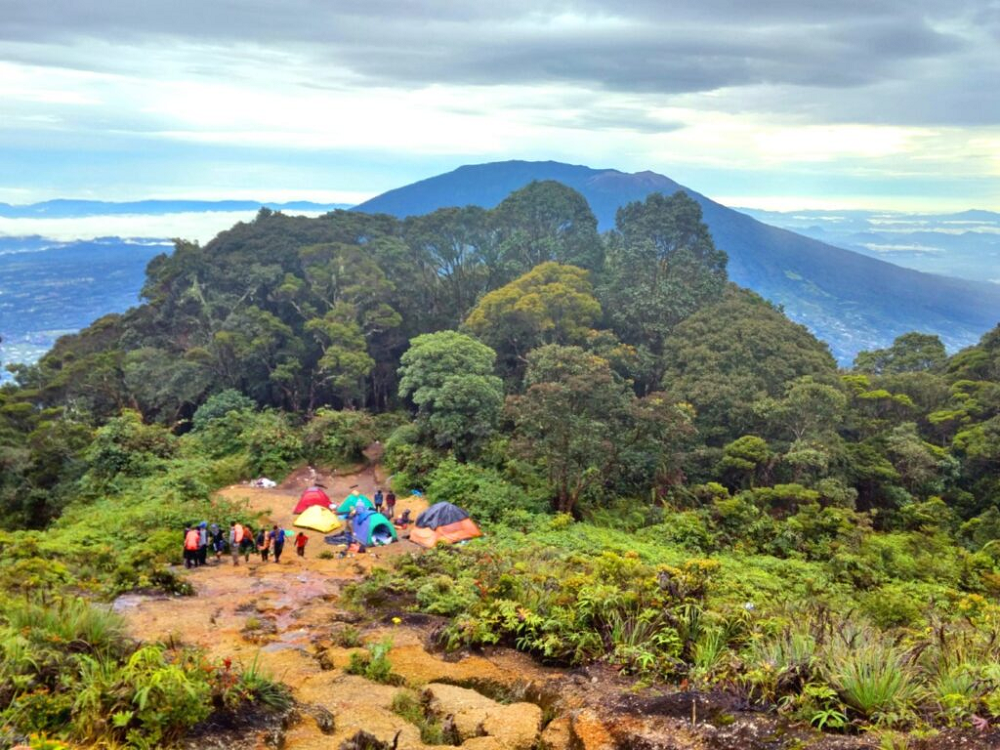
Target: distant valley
[65,263]
[965,244]
[48,288]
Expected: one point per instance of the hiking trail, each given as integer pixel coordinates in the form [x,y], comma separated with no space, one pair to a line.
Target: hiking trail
[287,616]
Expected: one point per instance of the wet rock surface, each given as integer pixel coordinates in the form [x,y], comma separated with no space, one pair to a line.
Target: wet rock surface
[494,699]
[512,727]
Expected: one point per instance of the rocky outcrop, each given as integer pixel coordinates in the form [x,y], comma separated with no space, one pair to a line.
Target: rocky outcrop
[590,733]
[482,723]
[558,735]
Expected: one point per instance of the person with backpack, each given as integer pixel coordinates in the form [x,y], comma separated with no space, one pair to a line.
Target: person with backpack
[390,505]
[378,499]
[300,543]
[192,541]
[237,537]
[263,544]
[277,542]
[247,546]
[216,542]
[202,543]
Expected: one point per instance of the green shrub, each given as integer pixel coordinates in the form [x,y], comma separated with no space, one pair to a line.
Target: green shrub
[687,529]
[273,445]
[68,669]
[334,438]
[373,663]
[408,460]
[872,677]
[348,636]
[126,446]
[484,493]
[894,605]
[219,405]
[408,706]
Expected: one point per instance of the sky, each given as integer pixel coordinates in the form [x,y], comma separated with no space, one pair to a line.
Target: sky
[777,104]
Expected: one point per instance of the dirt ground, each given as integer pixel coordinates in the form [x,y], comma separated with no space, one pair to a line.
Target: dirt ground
[286,617]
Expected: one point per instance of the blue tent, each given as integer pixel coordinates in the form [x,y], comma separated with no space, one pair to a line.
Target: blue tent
[371,527]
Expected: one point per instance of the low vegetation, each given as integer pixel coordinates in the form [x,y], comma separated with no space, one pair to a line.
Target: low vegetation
[798,636]
[68,671]
[673,476]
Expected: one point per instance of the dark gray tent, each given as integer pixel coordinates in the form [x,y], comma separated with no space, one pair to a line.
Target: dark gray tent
[440,514]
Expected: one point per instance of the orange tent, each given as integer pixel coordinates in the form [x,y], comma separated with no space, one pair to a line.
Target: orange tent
[443,522]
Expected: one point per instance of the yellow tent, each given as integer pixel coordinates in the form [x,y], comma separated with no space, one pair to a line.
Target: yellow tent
[318,518]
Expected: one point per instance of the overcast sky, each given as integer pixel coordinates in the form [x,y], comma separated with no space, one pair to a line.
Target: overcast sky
[771,103]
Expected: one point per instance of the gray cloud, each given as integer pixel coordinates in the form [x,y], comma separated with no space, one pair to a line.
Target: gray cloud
[886,61]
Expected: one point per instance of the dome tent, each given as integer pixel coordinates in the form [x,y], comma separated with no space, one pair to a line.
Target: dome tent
[309,498]
[351,501]
[319,519]
[371,528]
[443,522]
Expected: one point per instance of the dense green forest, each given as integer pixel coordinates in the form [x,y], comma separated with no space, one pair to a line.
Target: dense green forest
[706,496]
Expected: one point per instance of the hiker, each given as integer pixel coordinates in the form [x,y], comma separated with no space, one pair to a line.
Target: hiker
[191,542]
[378,499]
[300,543]
[216,542]
[202,543]
[237,536]
[277,542]
[263,544]
[390,505]
[247,545]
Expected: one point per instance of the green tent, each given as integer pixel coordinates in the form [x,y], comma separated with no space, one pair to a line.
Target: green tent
[351,502]
[373,528]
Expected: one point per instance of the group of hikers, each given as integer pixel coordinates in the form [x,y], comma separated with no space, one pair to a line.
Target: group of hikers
[201,539]
[204,539]
[390,502]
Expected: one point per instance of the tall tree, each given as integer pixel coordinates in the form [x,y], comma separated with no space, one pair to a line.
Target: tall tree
[911,352]
[459,247]
[729,356]
[551,304]
[661,267]
[546,221]
[566,423]
[449,377]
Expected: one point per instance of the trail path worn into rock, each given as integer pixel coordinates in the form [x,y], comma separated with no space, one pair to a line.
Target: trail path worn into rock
[285,616]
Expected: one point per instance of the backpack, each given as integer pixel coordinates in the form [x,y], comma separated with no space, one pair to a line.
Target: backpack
[238,533]
[279,536]
[192,540]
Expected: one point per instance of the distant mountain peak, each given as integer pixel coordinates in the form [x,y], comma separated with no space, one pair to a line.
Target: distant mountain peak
[852,301]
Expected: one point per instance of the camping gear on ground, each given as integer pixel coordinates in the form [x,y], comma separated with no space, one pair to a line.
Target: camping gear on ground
[264,483]
[371,527]
[319,519]
[344,538]
[350,503]
[443,522]
[309,498]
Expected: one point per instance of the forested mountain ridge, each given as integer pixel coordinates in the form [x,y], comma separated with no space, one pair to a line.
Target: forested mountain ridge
[673,478]
[849,300]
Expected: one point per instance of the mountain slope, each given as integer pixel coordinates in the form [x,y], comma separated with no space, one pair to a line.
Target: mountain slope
[852,301]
